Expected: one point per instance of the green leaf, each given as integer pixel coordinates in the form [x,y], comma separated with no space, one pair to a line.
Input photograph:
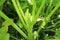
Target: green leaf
[4,36]
[1,2]
[55,2]
[3,33]
[3,29]
[54,39]
[24,4]
[58,32]
[12,23]
[49,38]
[38,2]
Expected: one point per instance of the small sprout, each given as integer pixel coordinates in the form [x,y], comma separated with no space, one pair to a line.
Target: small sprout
[8,2]
[35,34]
[30,2]
[30,16]
[56,29]
[22,39]
[47,4]
[39,19]
[58,16]
[46,34]
[52,22]
[42,27]
[19,25]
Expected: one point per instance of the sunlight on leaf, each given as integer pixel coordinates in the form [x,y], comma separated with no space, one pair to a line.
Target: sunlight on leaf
[3,33]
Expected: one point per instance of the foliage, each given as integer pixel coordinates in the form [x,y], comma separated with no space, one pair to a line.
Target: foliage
[35,17]
[3,33]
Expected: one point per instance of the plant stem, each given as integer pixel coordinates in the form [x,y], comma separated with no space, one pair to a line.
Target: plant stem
[48,18]
[14,37]
[21,12]
[34,8]
[30,33]
[52,12]
[39,11]
[18,12]
[54,24]
[49,7]
[13,24]
[41,26]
